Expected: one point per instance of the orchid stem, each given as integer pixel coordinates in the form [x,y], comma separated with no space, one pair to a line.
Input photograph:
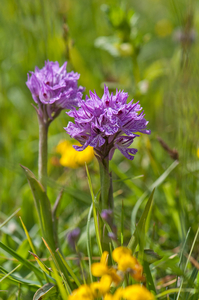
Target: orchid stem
[106,184]
[43,152]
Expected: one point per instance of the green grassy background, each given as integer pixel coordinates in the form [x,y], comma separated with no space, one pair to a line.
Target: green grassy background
[132,45]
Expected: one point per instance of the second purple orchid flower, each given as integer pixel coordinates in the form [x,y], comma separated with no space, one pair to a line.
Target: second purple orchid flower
[107,123]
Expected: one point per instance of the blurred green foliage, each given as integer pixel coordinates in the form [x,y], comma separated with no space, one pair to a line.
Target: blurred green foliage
[148,48]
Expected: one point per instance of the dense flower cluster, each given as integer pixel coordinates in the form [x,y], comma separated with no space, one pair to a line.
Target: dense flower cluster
[107,124]
[53,89]
[114,275]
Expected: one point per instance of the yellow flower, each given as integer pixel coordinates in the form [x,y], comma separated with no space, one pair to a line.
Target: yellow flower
[124,258]
[101,287]
[137,272]
[128,263]
[70,157]
[84,292]
[198,152]
[108,297]
[101,268]
[132,292]
[118,294]
[120,252]
[137,292]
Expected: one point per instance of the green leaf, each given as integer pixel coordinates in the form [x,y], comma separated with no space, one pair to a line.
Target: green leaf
[174,290]
[25,262]
[16,280]
[45,292]
[23,248]
[122,224]
[188,258]
[28,236]
[89,241]
[8,219]
[152,187]
[63,291]
[41,264]
[149,278]
[8,274]
[140,229]
[70,271]
[43,207]
[150,256]
[57,261]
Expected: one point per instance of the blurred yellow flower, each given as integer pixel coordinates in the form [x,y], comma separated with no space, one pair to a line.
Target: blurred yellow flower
[137,292]
[84,292]
[108,297]
[128,263]
[101,268]
[198,152]
[96,290]
[70,157]
[101,287]
[132,292]
[124,258]
[92,291]
[163,28]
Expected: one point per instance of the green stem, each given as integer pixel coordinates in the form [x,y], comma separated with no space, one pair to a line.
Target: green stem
[104,182]
[43,152]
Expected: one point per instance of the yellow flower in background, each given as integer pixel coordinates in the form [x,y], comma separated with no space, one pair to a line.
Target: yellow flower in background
[163,28]
[101,287]
[120,252]
[108,297]
[84,292]
[101,268]
[124,258]
[137,292]
[198,152]
[72,158]
[128,263]
[118,294]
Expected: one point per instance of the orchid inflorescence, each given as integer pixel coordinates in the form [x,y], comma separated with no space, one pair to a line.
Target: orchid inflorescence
[53,89]
[107,123]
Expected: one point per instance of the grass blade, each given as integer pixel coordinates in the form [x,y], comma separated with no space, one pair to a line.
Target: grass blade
[152,187]
[188,258]
[25,262]
[94,212]
[64,292]
[8,274]
[89,242]
[140,229]
[8,219]
[70,271]
[28,236]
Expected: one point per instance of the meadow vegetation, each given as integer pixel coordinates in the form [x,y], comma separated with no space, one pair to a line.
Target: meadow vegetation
[148,49]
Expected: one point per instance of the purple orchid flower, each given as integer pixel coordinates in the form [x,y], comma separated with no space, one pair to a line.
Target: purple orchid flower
[107,123]
[53,89]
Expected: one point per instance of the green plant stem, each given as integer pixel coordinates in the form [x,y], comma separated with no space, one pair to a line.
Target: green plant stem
[106,184]
[43,152]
